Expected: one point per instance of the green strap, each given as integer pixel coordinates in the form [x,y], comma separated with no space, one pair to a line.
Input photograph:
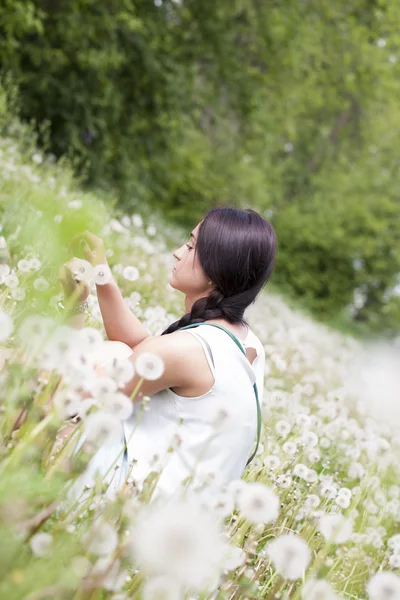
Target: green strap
[239,345]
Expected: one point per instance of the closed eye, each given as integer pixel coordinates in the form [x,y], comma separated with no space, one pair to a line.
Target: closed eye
[188,247]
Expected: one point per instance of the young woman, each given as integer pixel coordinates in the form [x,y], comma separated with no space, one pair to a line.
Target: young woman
[201,420]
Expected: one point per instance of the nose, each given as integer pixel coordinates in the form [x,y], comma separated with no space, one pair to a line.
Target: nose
[176,254]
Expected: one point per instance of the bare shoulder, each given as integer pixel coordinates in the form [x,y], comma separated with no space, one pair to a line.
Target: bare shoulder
[176,349]
[181,355]
[176,344]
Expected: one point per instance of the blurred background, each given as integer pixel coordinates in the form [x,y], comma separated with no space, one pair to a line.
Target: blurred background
[289,107]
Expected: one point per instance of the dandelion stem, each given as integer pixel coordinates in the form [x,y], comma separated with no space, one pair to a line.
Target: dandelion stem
[24,443]
[137,388]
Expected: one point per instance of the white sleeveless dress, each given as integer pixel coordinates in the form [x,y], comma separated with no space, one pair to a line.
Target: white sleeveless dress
[209,437]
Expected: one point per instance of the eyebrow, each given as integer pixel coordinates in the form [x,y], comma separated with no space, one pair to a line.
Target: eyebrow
[192,235]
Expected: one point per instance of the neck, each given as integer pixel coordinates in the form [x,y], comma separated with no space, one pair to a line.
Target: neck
[190,300]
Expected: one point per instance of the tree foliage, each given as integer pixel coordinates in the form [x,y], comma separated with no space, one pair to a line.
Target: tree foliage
[289,107]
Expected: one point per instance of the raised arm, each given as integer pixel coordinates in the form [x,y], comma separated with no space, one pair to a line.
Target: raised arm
[119,322]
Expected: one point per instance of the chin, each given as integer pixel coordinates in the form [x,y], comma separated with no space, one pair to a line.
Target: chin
[176,286]
[172,282]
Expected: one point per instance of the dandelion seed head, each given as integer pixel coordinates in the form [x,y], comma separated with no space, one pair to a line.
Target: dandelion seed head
[290,555]
[117,404]
[130,273]
[179,539]
[289,448]
[283,428]
[336,528]
[102,274]
[11,281]
[300,470]
[162,588]
[394,561]
[41,543]
[258,503]
[150,366]
[35,264]
[384,586]
[101,426]
[4,270]
[101,538]
[6,326]
[23,265]
[103,387]
[318,589]
[272,462]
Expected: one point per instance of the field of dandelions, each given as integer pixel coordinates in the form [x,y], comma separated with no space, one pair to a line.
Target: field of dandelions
[316,515]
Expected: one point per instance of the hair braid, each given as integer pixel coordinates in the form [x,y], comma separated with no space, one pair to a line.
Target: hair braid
[204,309]
[214,306]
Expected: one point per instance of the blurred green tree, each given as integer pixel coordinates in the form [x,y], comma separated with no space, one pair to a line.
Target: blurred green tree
[289,107]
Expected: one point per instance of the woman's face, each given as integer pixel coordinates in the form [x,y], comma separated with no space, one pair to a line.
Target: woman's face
[188,275]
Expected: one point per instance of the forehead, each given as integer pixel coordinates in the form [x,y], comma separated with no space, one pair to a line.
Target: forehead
[195,229]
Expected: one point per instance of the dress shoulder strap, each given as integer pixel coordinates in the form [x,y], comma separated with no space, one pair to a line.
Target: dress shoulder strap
[240,346]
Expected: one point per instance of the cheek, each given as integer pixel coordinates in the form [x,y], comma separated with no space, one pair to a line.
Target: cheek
[190,273]
[200,277]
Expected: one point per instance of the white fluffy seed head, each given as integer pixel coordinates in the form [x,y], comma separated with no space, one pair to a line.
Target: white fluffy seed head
[101,426]
[394,561]
[121,371]
[34,330]
[272,462]
[102,274]
[290,555]
[258,503]
[336,528]
[81,269]
[101,538]
[181,539]
[300,470]
[384,586]
[318,589]
[289,448]
[6,326]
[118,405]
[149,366]
[394,542]
[162,587]
[130,273]
[41,543]
[282,428]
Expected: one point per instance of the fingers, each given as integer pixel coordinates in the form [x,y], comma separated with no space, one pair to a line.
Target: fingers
[64,276]
[82,234]
[61,272]
[85,237]
[65,273]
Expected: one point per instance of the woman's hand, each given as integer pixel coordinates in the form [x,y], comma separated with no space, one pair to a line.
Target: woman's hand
[91,246]
[74,290]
